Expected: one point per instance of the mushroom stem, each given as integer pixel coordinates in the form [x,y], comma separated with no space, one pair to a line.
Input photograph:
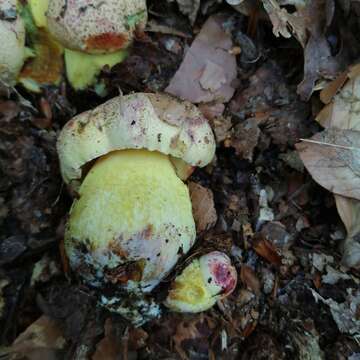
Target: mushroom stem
[132,222]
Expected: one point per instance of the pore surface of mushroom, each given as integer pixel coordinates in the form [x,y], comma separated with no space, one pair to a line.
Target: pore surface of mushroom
[133,218]
[12,41]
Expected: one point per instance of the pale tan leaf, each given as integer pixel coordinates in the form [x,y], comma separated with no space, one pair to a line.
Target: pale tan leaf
[208,69]
[332,157]
[349,211]
[344,111]
[203,206]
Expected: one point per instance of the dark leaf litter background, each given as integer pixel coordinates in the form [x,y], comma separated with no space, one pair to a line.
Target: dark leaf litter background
[294,299]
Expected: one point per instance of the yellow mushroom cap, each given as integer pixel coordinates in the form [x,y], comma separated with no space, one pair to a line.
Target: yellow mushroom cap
[202,283]
[156,122]
[132,221]
[12,42]
[95,26]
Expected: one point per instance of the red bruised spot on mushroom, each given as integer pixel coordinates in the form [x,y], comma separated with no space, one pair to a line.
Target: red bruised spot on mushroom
[106,42]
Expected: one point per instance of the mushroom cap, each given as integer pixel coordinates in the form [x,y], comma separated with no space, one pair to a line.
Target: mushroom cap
[131,222]
[12,42]
[156,122]
[95,26]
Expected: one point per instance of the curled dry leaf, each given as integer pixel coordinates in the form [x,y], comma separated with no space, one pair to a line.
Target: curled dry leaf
[349,211]
[284,23]
[267,250]
[208,69]
[332,157]
[204,212]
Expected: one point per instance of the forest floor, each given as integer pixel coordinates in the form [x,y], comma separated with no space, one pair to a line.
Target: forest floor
[298,292]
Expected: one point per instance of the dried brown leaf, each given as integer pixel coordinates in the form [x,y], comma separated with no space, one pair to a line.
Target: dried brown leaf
[249,278]
[41,340]
[267,250]
[332,157]
[193,332]
[204,212]
[349,211]
[343,112]
[109,347]
[208,69]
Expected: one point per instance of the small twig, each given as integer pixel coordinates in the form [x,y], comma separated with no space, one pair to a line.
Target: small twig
[332,145]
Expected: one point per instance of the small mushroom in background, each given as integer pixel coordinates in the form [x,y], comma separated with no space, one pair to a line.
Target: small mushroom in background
[202,283]
[12,42]
[94,33]
[133,218]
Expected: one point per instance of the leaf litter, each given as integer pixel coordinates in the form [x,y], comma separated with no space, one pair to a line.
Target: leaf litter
[297,294]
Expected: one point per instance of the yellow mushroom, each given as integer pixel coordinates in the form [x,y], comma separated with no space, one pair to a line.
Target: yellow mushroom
[133,218]
[12,42]
[202,283]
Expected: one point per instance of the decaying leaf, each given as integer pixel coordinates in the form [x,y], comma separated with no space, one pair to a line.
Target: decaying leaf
[249,278]
[41,340]
[345,314]
[189,8]
[204,212]
[193,333]
[342,111]
[244,139]
[333,159]
[343,108]
[109,347]
[284,23]
[267,250]
[208,69]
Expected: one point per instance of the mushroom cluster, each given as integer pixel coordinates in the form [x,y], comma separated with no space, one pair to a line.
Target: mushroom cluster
[12,40]
[94,34]
[89,34]
[132,219]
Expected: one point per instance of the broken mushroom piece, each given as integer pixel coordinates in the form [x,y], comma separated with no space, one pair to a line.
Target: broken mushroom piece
[94,33]
[133,218]
[202,283]
[12,42]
